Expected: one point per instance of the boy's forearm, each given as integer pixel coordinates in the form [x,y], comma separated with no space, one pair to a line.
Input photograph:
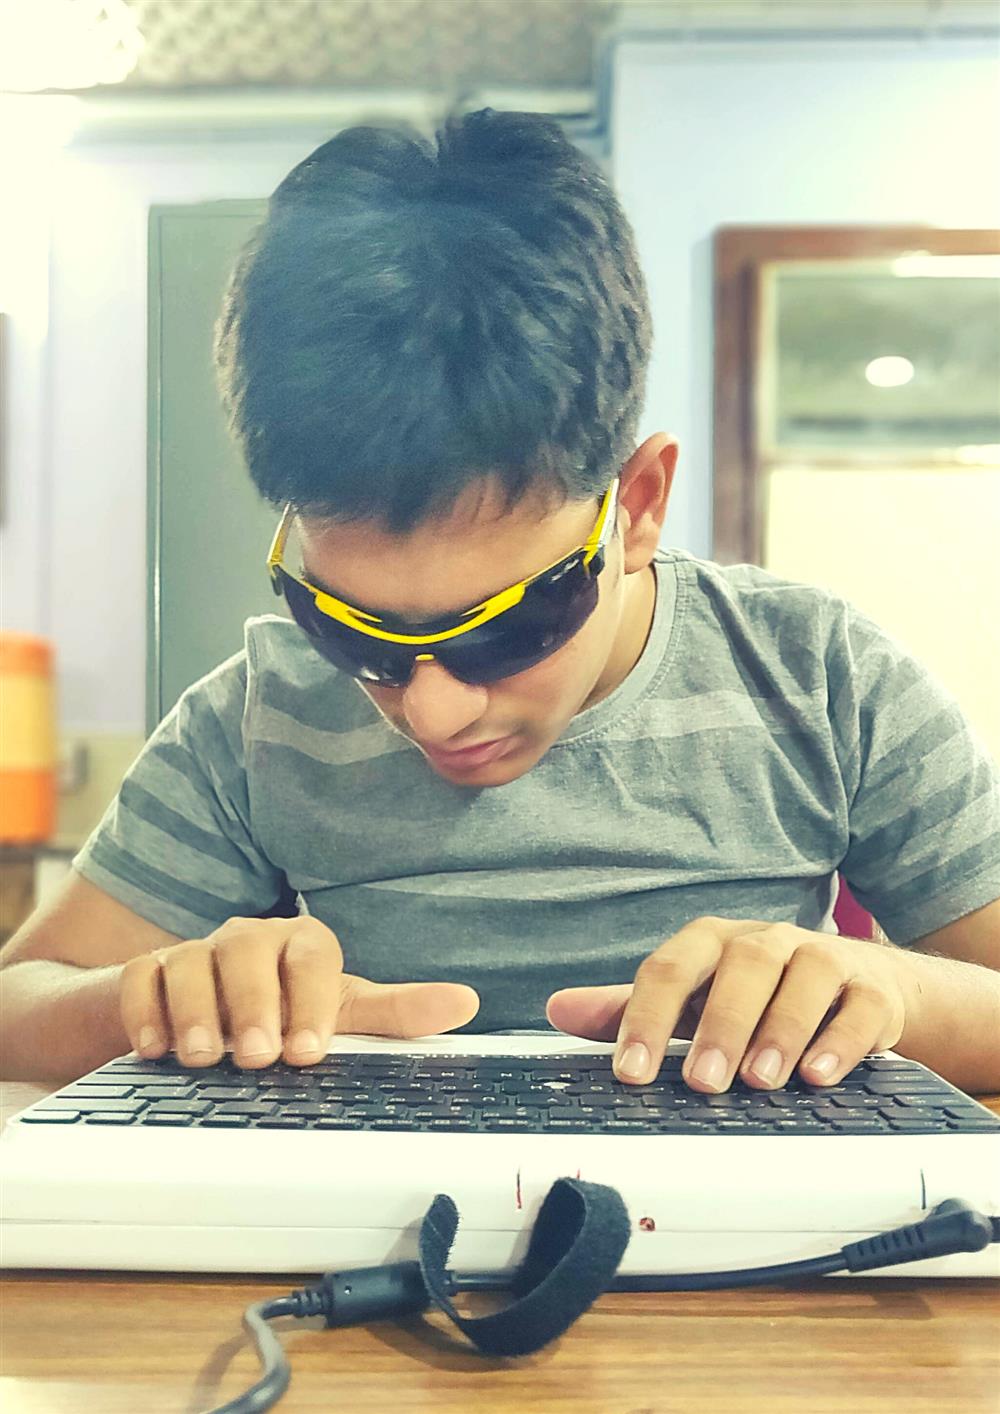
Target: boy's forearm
[57,1021]
[953,1020]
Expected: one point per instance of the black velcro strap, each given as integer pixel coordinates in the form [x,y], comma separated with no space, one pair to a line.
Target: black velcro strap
[578,1240]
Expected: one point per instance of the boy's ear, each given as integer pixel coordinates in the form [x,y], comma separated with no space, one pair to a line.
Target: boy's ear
[646,480]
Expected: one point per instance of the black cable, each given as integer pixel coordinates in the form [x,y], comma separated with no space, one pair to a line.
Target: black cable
[381,1293]
[689,1281]
[271,1353]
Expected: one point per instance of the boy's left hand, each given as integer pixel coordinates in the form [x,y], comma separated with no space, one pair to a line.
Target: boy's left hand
[757,998]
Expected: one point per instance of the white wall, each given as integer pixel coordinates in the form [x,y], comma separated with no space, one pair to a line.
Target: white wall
[73,540]
[876,132]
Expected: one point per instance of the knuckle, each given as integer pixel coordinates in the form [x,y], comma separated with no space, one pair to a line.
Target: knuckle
[232,927]
[660,970]
[776,937]
[851,1036]
[724,1016]
[181,955]
[871,993]
[306,946]
[814,950]
[138,971]
[757,950]
[783,1024]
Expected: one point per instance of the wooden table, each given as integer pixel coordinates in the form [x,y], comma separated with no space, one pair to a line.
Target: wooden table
[88,1343]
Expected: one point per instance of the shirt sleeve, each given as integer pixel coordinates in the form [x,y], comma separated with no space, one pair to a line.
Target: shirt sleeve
[176,845]
[923,790]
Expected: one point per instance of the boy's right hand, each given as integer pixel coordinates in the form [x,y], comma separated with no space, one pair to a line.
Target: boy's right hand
[272,987]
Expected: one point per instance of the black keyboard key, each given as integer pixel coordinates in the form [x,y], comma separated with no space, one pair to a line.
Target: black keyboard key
[113,1119]
[338,1122]
[281,1121]
[98,1092]
[94,1106]
[50,1117]
[226,1092]
[288,1097]
[283,1080]
[164,1092]
[256,1109]
[912,1085]
[107,1080]
[180,1107]
[224,1121]
[168,1120]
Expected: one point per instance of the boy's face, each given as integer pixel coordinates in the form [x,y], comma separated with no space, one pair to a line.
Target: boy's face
[487,735]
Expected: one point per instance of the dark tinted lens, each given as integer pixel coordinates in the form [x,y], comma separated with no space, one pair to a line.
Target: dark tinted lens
[547,618]
[368,659]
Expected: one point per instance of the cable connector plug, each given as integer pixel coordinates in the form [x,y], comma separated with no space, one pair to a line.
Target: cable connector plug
[366,1294]
[950,1227]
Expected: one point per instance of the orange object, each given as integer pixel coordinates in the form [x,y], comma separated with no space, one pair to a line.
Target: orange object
[27,740]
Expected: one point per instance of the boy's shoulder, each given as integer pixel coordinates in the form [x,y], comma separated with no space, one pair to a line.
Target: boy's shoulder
[277,671]
[765,604]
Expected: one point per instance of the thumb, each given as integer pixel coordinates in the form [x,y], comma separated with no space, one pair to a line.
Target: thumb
[593,1012]
[404,1008]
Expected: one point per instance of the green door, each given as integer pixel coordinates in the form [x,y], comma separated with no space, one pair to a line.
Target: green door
[209,531]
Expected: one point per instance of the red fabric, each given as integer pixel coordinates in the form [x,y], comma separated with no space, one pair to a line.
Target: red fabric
[851,919]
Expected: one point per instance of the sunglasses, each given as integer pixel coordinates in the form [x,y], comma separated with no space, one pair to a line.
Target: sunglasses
[505,634]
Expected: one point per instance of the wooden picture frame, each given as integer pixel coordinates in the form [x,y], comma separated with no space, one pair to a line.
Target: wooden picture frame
[740,255]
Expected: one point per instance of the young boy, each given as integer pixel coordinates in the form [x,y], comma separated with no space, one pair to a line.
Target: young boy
[512,762]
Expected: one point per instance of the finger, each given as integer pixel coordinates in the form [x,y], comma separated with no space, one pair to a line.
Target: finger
[868,1019]
[404,1008]
[142,1006]
[805,998]
[663,984]
[745,981]
[189,989]
[311,972]
[246,960]
[593,1012]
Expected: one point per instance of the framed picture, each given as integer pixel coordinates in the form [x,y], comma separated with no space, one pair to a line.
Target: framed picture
[849,347]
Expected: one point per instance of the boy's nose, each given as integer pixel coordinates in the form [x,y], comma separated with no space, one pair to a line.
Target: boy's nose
[438,707]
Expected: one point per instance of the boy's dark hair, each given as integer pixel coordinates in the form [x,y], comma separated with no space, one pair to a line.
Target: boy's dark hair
[407,320]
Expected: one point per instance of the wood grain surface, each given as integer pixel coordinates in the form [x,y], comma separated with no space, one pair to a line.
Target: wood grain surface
[88,1343]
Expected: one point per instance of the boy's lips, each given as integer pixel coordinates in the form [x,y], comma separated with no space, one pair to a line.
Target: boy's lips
[479,755]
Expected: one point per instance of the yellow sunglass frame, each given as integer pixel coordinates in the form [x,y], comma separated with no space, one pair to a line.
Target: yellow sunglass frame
[370,624]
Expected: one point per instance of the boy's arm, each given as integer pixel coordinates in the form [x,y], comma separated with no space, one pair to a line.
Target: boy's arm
[955,1026]
[59,983]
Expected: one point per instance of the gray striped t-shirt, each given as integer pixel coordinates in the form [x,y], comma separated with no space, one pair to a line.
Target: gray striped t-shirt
[769,736]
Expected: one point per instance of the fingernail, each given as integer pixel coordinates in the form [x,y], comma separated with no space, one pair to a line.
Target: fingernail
[198,1042]
[149,1039]
[303,1043]
[824,1065]
[710,1068]
[255,1043]
[632,1060]
[767,1065]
